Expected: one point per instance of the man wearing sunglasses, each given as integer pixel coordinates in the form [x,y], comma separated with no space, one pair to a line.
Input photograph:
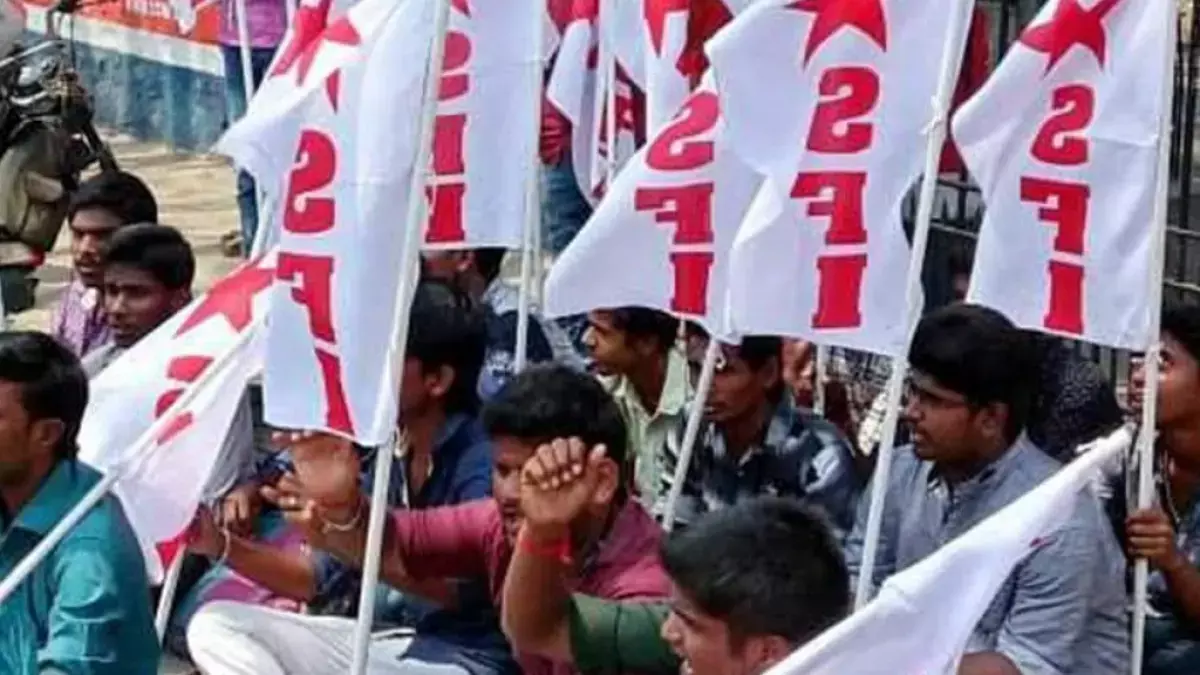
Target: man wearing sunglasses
[1062,610]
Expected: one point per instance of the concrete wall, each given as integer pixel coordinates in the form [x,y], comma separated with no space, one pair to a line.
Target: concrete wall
[147,83]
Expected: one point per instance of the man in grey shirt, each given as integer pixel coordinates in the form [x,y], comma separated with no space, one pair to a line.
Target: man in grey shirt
[1063,609]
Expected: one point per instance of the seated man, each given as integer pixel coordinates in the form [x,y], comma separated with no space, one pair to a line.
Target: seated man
[147,277]
[1062,611]
[613,542]
[85,608]
[476,272]
[754,441]
[1168,535]
[634,351]
[99,207]
[751,583]
[447,460]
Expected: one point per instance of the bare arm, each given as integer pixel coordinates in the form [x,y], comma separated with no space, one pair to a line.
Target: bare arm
[536,603]
[287,573]
[987,663]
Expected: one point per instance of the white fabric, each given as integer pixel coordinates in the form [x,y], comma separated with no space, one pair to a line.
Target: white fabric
[667,224]
[1059,145]
[919,623]
[165,483]
[833,111]
[345,152]
[230,638]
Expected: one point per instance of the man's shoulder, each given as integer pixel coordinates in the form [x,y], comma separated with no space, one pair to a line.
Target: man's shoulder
[628,565]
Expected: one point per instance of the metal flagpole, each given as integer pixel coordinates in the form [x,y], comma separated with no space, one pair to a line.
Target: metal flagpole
[533,205]
[947,77]
[820,366]
[415,221]
[167,596]
[1145,447]
[608,27]
[243,30]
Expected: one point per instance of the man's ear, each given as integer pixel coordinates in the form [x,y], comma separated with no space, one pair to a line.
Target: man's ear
[771,374]
[994,420]
[607,483]
[180,299]
[46,433]
[438,382]
[764,651]
[464,261]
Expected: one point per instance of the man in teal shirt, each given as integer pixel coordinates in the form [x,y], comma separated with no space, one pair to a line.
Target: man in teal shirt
[85,610]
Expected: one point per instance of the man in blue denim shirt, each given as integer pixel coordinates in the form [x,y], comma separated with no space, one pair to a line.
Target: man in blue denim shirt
[1062,610]
[1168,535]
[755,442]
[445,459]
[85,610]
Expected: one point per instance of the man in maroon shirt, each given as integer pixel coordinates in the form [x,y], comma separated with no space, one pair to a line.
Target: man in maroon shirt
[613,544]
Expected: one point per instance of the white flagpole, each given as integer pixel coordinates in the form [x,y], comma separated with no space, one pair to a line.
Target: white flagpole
[608,27]
[533,204]
[1145,447]
[166,596]
[145,443]
[947,77]
[415,221]
[820,368]
[289,8]
[695,415]
[243,30]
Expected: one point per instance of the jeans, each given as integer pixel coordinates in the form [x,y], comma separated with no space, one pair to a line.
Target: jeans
[1168,650]
[564,209]
[235,107]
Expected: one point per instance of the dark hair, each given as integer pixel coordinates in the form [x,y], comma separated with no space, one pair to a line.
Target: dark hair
[958,263]
[548,401]
[445,329]
[488,261]
[755,350]
[157,250]
[977,352]
[765,566]
[1182,323]
[640,322]
[53,384]
[122,194]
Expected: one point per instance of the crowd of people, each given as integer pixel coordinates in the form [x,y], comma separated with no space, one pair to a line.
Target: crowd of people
[526,509]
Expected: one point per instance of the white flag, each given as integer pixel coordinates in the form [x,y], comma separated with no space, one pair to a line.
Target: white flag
[217,337]
[919,624]
[830,100]
[1063,142]
[667,225]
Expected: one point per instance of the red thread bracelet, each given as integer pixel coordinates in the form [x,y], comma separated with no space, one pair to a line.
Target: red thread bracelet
[559,550]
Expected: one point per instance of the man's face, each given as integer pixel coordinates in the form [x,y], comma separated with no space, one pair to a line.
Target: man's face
[19,449]
[960,284]
[737,389]
[509,456]
[611,352]
[447,266]
[946,428]
[90,232]
[1178,384]
[136,303]
[705,645]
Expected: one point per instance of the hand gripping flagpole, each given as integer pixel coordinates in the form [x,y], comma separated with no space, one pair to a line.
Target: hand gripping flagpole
[533,204]
[145,444]
[414,230]
[1145,447]
[952,50]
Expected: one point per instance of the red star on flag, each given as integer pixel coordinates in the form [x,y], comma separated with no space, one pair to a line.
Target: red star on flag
[1071,25]
[704,19]
[232,298]
[309,33]
[834,15]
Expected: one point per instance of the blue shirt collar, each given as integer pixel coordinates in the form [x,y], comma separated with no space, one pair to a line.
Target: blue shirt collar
[62,489]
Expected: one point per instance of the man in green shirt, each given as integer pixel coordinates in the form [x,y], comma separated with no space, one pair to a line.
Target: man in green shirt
[85,610]
[751,583]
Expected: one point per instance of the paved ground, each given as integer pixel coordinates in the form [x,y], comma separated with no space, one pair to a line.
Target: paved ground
[195,193]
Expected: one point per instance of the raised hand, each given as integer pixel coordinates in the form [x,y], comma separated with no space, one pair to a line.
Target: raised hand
[559,482]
